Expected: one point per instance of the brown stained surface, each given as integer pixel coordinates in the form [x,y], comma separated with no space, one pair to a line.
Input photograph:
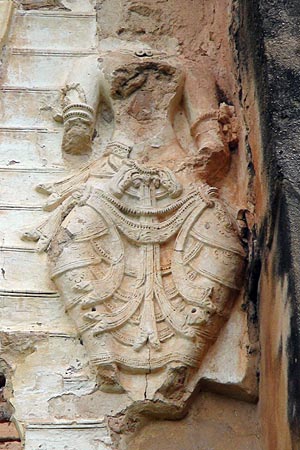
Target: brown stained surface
[214,423]
[273,386]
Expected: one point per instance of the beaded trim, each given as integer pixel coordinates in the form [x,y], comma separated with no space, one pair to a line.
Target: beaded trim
[79,111]
[116,148]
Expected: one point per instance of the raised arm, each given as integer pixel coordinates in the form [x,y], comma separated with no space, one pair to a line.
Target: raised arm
[205,117]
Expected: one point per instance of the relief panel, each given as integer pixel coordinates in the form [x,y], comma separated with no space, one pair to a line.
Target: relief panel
[146,257]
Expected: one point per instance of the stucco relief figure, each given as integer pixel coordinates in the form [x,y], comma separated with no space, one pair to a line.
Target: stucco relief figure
[143,252]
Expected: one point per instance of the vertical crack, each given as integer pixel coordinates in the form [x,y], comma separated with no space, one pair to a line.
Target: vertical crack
[146,376]
[146,386]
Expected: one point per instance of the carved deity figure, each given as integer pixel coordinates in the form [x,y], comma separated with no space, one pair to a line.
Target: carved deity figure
[144,254]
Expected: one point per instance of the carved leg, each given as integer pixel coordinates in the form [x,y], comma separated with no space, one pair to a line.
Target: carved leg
[108,379]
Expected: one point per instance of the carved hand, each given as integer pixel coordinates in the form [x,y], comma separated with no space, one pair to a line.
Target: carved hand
[77,138]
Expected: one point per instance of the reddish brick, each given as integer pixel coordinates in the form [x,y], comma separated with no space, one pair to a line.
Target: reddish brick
[8,432]
[11,446]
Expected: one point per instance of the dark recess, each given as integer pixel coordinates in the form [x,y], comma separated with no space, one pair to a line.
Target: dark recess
[265,41]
